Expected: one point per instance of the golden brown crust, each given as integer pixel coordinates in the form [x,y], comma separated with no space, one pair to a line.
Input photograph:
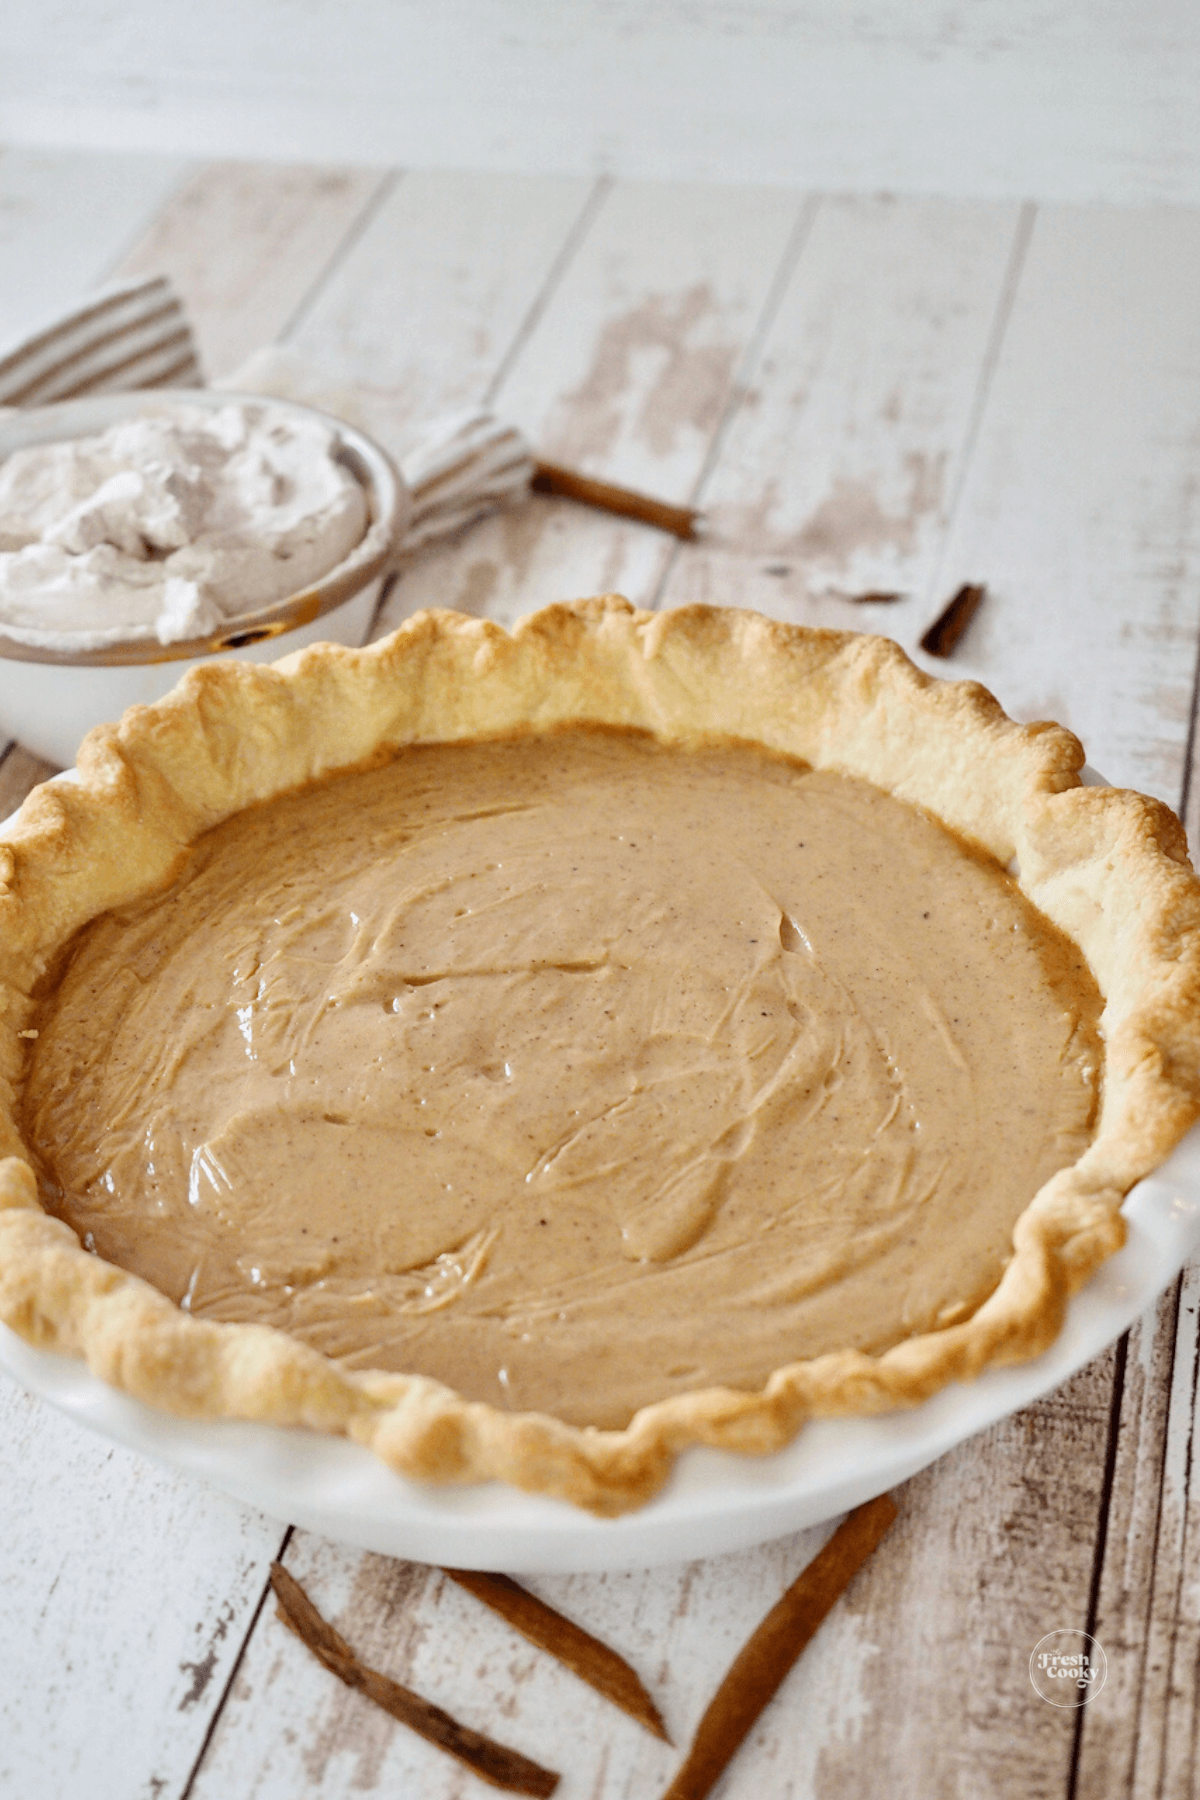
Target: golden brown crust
[1108,867]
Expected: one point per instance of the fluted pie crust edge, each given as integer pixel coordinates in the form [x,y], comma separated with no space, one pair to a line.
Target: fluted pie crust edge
[1107,867]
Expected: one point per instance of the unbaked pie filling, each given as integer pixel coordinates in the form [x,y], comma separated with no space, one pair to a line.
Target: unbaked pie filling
[573,1069]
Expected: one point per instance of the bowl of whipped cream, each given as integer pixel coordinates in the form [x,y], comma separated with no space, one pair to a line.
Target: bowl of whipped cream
[142,533]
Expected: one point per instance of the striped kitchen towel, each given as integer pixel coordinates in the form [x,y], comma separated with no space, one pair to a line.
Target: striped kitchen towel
[134,336]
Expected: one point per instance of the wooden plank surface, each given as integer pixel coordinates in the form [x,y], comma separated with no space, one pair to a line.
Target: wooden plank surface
[626,374]
[127,1591]
[430,299]
[932,361]
[838,470]
[246,244]
[1080,509]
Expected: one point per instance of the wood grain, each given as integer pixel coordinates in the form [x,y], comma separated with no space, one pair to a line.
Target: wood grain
[1079,510]
[626,374]
[498,1764]
[20,771]
[576,1649]
[838,470]
[245,244]
[681,1625]
[425,304]
[1141,1617]
[993,1550]
[770,1652]
[127,1592]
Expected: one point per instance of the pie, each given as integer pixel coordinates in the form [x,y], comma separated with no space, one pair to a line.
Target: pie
[531,1055]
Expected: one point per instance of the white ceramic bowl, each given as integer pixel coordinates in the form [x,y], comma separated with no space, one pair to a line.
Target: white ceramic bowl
[50,699]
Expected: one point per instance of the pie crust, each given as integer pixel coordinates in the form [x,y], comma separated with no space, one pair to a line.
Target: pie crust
[1107,867]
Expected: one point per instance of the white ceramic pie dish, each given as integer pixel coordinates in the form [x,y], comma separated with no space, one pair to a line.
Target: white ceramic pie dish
[714,1502]
[50,699]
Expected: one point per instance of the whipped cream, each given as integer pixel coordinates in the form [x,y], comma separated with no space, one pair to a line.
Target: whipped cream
[170,524]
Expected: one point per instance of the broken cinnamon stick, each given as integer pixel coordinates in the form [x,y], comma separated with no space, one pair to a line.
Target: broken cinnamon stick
[943,635]
[760,1666]
[577,1649]
[550,478]
[503,1767]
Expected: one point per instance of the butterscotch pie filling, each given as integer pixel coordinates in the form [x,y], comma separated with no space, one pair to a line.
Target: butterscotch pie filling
[472,1043]
[574,1070]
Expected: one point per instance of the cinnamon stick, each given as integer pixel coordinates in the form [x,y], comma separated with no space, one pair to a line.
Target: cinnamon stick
[550,478]
[943,635]
[760,1666]
[503,1767]
[577,1649]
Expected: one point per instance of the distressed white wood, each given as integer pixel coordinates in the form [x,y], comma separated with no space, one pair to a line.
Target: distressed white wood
[996,1551]
[679,1627]
[66,220]
[626,375]
[245,245]
[429,300]
[1111,1735]
[628,371]
[998,97]
[127,1592]
[839,468]
[1081,509]
[1167,1707]
[1177,1571]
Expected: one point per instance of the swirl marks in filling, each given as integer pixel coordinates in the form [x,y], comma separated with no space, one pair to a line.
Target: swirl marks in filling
[575,1070]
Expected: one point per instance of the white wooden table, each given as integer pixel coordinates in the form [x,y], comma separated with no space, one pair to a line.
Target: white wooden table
[862,393]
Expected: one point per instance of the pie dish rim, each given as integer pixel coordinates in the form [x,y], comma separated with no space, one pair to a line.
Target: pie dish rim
[713,1504]
[685,674]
